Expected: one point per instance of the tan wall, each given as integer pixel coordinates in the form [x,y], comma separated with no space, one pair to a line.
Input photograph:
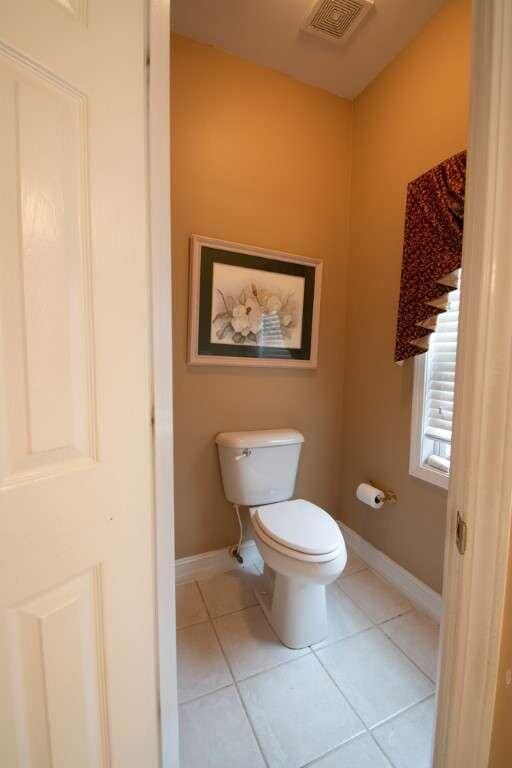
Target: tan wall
[410,118]
[260,158]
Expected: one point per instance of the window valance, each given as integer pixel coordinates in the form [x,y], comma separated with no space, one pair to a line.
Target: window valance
[432,252]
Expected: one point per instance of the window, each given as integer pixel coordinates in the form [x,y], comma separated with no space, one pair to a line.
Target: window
[434,382]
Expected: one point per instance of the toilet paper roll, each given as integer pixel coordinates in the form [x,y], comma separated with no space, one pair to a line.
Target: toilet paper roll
[374,497]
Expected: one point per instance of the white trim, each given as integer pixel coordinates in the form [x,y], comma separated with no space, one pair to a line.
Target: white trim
[416,466]
[420,595]
[159,222]
[481,483]
[423,597]
[209,563]
[194,358]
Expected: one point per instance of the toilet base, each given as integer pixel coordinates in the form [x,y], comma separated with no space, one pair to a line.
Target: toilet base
[296,609]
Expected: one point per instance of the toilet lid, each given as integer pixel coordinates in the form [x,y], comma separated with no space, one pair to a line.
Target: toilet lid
[300,525]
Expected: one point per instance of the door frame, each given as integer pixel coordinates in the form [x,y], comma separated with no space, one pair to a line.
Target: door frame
[158,28]
[481,488]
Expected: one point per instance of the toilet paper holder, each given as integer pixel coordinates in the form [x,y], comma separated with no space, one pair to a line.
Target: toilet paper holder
[390,497]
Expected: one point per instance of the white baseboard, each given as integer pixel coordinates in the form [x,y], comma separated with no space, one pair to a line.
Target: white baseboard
[210,563]
[421,595]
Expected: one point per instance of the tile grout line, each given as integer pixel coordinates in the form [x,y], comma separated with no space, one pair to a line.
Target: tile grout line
[281,664]
[351,706]
[228,613]
[323,644]
[369,729]
[195,624]
[315,760]
[271,628]
[384,722]
[368,733]
[392,641]
[382,750]
[261,671]
[220,687]
[341,744]
[232,613]
[414,606]
[434,682]
[238,610]
[253,674]
[233,684]
[379,577]
[312,763]
[240,698]
[204,695]
[307,650]
[378,625]
[274,666]
[401,712]
[337,584]
[403,612]
[374,625]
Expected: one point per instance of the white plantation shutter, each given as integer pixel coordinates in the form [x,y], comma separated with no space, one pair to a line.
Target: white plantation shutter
[439,387]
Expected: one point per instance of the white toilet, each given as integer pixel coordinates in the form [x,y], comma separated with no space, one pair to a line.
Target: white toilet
[301,545]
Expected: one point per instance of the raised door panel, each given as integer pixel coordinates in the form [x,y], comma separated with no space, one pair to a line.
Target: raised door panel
[46,371]
[57,677]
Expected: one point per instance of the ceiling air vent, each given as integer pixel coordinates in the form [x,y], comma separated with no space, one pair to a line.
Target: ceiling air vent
[336,20]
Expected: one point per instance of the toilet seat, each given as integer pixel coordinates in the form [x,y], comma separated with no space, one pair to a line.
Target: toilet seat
[299,529]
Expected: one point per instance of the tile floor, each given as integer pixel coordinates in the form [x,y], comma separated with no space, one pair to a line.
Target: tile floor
[362,698]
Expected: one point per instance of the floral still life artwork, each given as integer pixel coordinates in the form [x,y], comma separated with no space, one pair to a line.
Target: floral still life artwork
[263,312]
[252,307]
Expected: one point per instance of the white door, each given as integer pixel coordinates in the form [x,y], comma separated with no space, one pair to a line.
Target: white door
[77,593]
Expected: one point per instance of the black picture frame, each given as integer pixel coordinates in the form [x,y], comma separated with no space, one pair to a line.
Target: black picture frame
[205,253]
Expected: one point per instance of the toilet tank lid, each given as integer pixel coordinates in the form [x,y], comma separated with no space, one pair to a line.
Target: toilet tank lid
[261,438]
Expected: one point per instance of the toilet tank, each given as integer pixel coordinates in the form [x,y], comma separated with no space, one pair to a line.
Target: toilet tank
[259,467]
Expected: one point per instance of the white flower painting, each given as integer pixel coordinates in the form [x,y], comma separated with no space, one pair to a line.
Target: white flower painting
[255,307]
[250,306]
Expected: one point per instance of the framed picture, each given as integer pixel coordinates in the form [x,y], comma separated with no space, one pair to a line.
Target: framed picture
[251,306]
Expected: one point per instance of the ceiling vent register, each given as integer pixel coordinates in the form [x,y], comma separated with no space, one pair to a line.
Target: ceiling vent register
[337,20]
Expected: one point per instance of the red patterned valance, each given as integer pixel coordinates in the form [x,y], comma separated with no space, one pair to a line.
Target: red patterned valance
[432,251]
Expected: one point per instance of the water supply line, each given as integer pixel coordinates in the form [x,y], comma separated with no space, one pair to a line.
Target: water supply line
[234,551]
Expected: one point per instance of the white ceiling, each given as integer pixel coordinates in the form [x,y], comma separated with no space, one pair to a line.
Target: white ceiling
[268,32]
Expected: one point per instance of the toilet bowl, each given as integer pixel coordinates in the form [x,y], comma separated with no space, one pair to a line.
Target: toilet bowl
[301,545]
[303,551]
